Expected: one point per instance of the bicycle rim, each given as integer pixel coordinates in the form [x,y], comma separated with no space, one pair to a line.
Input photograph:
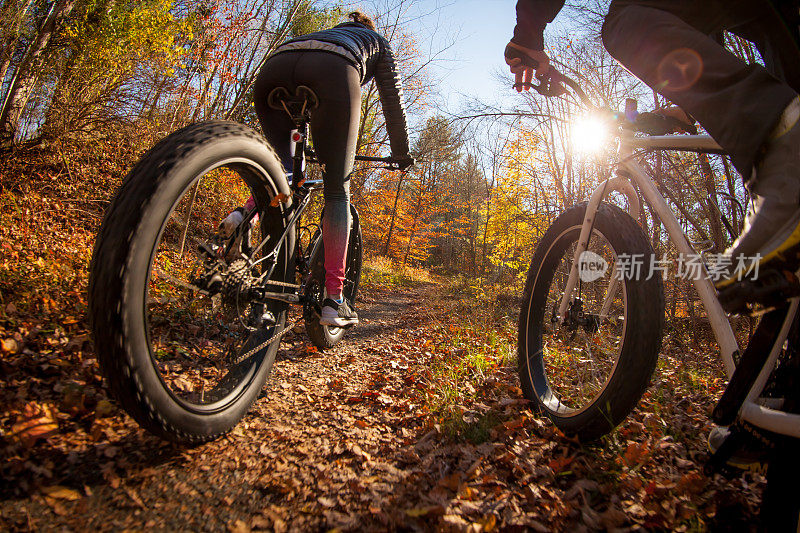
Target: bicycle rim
[205,344]
[579,351]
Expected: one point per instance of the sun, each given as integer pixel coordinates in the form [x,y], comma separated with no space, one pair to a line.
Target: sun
[589,135]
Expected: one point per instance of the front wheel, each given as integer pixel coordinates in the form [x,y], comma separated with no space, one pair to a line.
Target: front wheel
[325,337]
[182,336]
[587,368]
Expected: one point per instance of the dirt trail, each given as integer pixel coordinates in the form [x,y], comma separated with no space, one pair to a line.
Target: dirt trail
[341,440]
[323,447]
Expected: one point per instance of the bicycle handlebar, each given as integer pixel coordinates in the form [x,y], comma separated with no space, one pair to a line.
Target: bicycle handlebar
[390,162]
[375,159]
[555,84]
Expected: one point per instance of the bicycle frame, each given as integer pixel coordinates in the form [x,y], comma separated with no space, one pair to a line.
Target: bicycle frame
[301,192]
[629,172]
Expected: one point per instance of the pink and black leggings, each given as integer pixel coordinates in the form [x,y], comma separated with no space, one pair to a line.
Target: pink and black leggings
[334,129]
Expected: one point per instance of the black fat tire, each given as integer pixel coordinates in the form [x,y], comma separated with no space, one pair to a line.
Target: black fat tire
[645,322]
[121,262]
[325,337]
[780,508]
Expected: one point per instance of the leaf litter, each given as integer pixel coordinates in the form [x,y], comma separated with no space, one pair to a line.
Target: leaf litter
[375,434]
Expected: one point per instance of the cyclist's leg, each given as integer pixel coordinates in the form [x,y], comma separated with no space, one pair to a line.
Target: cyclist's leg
[667,45]
[750,112]
[334,128]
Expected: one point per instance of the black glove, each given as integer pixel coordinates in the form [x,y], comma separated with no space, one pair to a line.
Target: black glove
[516,53]
[404,162]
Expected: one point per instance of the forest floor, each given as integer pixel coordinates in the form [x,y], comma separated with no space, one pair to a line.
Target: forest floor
[414,422]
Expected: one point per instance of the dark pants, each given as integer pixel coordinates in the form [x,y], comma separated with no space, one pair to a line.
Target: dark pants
[669,45]
[334,129]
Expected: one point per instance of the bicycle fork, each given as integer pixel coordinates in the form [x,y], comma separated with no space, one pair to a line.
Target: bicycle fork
[621,185]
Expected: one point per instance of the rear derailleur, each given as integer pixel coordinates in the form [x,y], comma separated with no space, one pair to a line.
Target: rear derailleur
[233,284]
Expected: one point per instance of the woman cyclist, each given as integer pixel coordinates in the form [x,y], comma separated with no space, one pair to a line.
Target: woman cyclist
[334,64]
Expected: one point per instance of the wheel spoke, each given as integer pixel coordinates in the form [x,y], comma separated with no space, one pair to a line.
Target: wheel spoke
[585,345]
[200,312]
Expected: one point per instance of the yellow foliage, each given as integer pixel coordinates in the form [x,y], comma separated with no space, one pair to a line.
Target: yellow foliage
[127,35]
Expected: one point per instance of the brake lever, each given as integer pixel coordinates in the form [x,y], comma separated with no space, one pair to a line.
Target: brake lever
[555,84]
[549,86]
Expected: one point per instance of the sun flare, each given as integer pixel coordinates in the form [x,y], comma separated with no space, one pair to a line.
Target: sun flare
[589,135]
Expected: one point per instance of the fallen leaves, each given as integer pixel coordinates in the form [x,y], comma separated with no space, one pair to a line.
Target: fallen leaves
[431,510]
[691,483]
[354,437]
[58,492]
[34,423]
[9,346]
[636,453]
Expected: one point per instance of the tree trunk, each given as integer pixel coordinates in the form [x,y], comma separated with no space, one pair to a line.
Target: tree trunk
[394,215]
[22,85]
[14,11]
[714,215]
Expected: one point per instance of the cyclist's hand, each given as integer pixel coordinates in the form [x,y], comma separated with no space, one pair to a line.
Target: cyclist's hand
[523,62]
[404,162]
[682,123]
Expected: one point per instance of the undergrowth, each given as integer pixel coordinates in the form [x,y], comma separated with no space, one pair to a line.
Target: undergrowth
[379,271]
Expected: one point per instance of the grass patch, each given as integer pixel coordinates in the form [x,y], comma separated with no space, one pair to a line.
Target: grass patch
[472,352]
[474,429]
[379,272]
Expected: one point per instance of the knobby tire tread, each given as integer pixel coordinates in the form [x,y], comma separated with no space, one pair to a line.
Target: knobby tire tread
[110,260]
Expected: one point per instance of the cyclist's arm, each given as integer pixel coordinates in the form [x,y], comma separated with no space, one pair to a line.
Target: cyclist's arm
[532,17]
[391,95]
[525,52]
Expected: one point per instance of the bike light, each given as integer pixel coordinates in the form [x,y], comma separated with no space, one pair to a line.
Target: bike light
[297,137]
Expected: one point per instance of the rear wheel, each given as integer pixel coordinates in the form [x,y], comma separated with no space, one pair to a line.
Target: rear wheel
[325,337]
[180,335]
[587,368]
[780,510]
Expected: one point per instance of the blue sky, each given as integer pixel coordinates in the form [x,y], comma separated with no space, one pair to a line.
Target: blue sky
[479,31]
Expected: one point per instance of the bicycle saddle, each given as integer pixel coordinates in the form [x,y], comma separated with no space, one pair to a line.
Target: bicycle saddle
[297,105]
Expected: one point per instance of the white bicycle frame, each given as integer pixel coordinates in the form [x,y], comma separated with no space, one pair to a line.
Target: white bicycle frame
[760,412]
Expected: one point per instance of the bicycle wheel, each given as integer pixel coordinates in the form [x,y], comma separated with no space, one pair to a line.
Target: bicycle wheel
[586,370]
[179,334]
[780,509]
[324,337]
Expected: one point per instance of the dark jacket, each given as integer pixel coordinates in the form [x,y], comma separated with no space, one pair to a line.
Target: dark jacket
[371,54]
[532,17]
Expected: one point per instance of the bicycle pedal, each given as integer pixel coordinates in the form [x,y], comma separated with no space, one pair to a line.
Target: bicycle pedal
[752,296]
[743,450]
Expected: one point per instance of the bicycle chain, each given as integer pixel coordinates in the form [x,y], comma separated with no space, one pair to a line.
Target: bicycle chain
[191,287]
[181,283]
[264,344]
[281,284]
